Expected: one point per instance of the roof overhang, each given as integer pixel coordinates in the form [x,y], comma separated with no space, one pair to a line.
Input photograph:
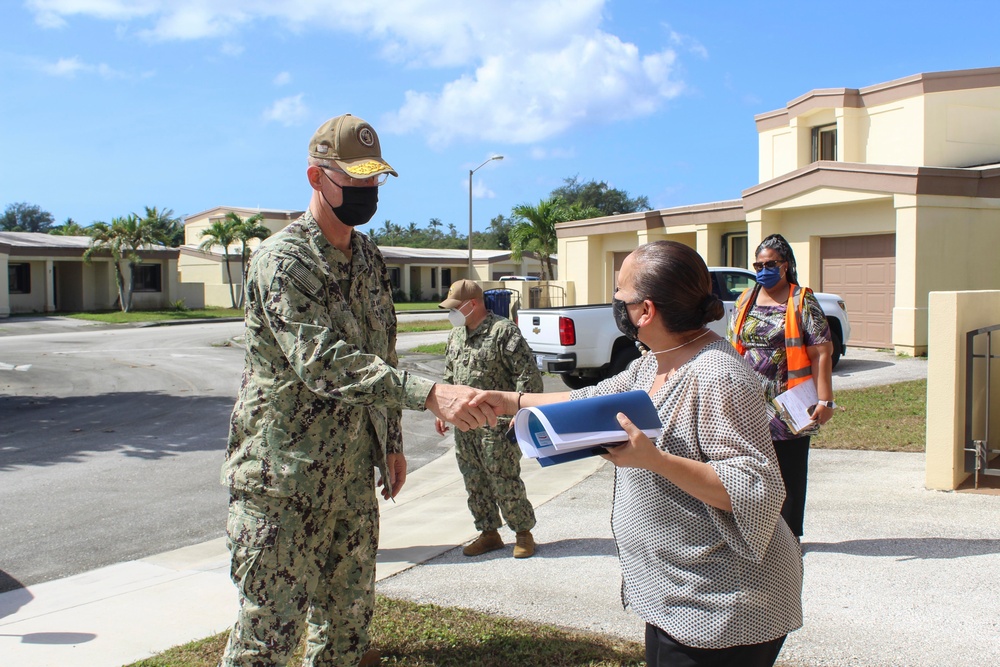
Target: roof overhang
[838,180]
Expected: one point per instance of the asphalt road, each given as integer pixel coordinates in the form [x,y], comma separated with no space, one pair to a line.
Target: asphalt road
[111,440]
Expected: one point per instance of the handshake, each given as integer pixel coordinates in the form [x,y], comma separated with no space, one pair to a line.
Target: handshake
[469,408]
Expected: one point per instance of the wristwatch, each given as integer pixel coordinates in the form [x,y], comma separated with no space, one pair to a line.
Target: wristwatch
[827,404]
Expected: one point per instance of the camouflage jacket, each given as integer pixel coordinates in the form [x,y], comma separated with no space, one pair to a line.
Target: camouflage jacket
[494,355]
[321,399]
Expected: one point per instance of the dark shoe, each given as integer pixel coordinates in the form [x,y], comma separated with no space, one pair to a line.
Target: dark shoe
[489,540]
[525,547]
[371,658]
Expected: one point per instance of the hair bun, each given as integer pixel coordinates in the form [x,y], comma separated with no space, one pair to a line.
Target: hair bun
[712,308]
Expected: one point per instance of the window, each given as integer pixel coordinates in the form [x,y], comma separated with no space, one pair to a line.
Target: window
[19,278]
[394,276]
[824,143]
[434,278]
[734,249]
[445,278]
[731,285]
[146,278]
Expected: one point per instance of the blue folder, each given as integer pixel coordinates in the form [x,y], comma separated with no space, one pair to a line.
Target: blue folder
[571,430]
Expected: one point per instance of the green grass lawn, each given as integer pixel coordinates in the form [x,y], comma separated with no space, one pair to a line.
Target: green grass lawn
[118,317]
[887,418]
[420,635]
[417,305]
[432,348]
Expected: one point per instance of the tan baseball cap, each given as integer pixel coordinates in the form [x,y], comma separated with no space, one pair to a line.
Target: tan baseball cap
[352,144]
[461,291]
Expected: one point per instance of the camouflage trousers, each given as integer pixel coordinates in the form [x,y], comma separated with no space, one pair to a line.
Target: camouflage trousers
[298,570]
[491,468]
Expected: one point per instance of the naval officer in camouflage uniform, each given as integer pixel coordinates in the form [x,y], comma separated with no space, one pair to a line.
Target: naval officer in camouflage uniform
[319,408]
[486,351]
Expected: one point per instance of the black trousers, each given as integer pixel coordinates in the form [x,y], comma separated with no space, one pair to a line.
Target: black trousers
[793,460]
[662,650]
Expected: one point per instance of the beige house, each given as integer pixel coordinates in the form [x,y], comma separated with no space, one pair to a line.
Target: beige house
[43,273]
[418,273]
[885,193]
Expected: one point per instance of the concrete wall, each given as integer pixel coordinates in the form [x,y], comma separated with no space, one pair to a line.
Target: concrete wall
[962,128]
[951,316]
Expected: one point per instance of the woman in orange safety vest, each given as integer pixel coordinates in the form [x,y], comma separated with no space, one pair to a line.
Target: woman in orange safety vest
[780,330]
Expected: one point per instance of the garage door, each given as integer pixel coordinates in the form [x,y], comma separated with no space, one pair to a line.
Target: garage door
[862,269]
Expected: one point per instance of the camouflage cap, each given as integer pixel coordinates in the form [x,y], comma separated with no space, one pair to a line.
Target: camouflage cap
[460,292]
[352,144]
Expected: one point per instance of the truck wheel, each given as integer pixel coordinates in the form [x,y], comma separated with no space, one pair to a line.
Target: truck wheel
[624,356]
[578,381]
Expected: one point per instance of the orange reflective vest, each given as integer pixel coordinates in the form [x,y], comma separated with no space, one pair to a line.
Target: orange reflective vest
[799,365]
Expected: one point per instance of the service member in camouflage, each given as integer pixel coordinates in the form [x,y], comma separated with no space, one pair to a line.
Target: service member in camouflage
[319,408]
[487,351]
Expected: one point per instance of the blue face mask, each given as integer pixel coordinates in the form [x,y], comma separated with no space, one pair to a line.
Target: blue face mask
[769,277]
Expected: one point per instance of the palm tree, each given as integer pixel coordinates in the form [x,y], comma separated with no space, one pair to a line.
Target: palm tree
[69,228]
[168,227]
[245,231]
[535,231]
[123,239]
[223,233]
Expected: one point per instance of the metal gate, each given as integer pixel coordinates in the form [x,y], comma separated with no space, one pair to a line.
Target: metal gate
[546,296]
[980,453]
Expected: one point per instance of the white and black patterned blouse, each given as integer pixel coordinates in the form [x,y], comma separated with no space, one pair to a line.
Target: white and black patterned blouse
[707,577]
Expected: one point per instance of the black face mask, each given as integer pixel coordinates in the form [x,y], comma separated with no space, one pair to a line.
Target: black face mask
[625,325]
[359,205]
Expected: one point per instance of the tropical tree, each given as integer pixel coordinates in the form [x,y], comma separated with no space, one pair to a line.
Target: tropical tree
[535,231]
[591,194]
[168,227]
[69,228]
[244,231]
[24,217]
[123,239]
[221,233]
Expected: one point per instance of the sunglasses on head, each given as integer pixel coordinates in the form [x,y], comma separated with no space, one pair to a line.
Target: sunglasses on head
[770,264]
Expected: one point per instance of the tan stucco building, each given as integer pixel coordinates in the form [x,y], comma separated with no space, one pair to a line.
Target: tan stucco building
[885,193]
[43,273]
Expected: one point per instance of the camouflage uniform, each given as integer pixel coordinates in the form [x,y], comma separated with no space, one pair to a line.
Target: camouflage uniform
[319,407]
[492,356]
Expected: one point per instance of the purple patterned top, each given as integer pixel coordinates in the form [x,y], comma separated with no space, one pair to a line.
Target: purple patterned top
[764,338]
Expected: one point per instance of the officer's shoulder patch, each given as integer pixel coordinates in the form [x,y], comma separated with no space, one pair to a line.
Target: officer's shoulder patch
[304,279]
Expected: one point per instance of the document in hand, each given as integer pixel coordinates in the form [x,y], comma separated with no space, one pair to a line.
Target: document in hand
[796,405]
[561,432]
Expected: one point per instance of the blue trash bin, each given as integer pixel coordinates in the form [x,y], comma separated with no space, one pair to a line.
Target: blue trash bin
[498,301]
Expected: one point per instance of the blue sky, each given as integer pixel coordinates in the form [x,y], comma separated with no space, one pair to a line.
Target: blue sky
[108,106]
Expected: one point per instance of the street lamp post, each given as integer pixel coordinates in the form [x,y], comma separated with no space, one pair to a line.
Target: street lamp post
[471,172]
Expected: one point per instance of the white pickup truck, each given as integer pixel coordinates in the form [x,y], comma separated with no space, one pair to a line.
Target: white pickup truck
[583,345]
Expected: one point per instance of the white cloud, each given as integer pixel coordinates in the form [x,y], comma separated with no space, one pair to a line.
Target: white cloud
[529,69]
[524,97]
[287,111]
[479,189]
[688,43]
[282,79]
[70,67]
[52,13]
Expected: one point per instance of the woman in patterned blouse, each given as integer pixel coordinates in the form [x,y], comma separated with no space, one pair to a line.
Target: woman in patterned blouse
[762,337]
[706,559]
